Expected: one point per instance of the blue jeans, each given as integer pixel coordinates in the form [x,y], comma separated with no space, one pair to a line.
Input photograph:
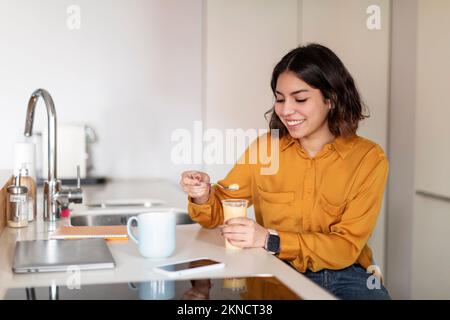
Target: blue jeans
[350,283]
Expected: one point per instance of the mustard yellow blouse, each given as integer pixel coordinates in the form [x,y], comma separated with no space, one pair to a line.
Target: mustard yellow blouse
[324,208]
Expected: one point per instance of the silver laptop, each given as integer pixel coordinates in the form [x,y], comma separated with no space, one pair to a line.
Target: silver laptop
[59,255]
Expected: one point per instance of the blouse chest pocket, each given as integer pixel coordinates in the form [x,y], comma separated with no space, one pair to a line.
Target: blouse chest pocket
[277,208]
[333,211]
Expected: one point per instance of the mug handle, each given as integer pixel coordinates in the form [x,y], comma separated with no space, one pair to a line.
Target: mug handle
[129,231]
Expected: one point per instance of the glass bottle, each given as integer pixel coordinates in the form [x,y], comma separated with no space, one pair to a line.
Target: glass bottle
[17,204]
[30,183]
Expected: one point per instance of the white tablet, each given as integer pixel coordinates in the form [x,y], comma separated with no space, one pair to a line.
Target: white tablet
[189,266]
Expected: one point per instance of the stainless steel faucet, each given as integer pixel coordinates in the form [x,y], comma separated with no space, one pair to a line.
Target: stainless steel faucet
[55,196]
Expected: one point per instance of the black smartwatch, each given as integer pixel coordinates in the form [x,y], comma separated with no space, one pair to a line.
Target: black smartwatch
[273,242]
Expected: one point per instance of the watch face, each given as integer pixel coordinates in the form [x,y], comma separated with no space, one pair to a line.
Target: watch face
[273,244]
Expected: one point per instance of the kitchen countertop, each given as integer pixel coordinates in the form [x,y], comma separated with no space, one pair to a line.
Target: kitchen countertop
[193,241]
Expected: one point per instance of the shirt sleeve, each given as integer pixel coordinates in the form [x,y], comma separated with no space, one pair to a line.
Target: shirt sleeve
[210,214]
[343,245]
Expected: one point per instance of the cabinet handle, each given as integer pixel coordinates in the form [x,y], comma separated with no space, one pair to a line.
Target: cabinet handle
[433,195]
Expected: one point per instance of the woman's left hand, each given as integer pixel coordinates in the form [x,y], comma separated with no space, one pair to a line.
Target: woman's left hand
[245,233]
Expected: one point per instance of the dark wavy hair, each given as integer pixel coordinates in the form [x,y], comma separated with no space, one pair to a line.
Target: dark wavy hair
[321,68]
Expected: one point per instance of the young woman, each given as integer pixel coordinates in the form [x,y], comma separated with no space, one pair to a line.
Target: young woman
[319,209]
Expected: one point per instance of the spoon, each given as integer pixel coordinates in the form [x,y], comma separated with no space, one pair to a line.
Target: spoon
[231,187]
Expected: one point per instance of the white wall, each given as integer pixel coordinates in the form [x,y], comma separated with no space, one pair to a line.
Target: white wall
[244,41]
[133,72]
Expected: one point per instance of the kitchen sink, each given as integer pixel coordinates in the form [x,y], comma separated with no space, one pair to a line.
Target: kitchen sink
[147,203]
[116,217]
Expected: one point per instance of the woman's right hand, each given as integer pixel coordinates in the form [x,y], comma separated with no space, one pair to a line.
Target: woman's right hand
[196,185]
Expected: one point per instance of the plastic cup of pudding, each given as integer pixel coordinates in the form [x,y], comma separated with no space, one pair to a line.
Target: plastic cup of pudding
[234,208]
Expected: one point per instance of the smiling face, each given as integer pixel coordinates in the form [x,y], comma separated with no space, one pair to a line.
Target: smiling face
[301,108]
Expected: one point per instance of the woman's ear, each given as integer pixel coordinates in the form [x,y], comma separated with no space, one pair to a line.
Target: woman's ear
[329,104]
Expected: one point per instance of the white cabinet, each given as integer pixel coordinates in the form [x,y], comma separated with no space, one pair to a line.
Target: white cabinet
[431,220]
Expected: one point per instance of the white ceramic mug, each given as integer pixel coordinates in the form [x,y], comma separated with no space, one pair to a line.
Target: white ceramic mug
[157,236]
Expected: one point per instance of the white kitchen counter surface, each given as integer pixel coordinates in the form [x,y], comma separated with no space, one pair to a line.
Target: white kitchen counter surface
[193,241]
